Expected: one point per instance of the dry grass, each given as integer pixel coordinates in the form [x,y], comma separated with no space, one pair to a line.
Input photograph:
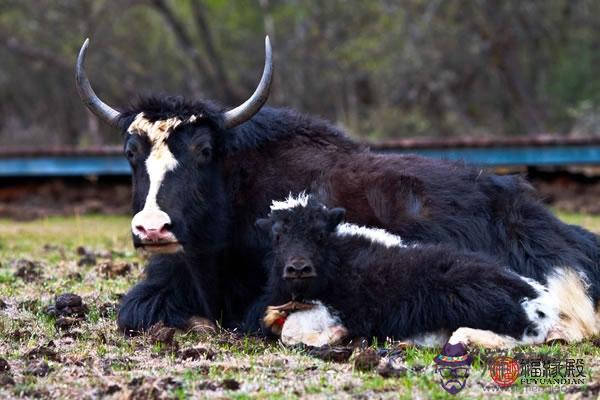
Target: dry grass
[91,359]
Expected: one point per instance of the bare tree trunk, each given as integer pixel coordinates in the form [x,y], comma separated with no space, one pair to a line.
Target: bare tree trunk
[231,94]
[185,41]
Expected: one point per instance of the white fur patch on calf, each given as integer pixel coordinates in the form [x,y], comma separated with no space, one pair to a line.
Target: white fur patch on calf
[375,235]
[314,327]
[301,200]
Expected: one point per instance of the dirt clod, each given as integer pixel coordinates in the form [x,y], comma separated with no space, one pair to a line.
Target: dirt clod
[108,309]
[366,359]
[37,368]
[208,385]
[87,260]
[67,305]
[196,353]
[42,352]
[151,388]
[4,366]
[230,384]
[113,269]
[390,368]
[28,270]
[338,354]
[65,323]
[6,380]
[159,333]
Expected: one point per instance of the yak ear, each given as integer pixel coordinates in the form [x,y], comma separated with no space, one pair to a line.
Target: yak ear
[335,216]
[264,225]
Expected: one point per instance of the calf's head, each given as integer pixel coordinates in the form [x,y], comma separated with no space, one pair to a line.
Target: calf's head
[175,149]
[301,230]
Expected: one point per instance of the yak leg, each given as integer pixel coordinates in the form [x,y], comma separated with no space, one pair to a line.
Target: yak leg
[483,338]
[168,294]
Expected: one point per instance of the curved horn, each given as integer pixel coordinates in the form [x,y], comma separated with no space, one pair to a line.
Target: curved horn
[244,112]
[87,94]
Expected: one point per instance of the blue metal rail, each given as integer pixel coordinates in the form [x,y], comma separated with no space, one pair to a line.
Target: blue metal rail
[513,156]
[546,150]
[64,166]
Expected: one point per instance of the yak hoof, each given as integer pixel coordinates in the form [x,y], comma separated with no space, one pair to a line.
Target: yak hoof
[274,319]
[201,325]
[556,335]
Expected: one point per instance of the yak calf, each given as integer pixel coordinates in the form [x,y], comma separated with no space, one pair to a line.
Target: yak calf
[366,282]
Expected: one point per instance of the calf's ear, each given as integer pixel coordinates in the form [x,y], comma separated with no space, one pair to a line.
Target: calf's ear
[335,216]
[264,225]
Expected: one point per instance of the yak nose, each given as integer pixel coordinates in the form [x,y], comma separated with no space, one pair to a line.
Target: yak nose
[152,226]
[299,268]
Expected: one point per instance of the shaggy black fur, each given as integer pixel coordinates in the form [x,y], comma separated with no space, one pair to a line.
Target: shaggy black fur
[226,179]
[390,292]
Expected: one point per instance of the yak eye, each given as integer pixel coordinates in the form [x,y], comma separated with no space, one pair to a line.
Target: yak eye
[131,152]
[277,237]
[202,151]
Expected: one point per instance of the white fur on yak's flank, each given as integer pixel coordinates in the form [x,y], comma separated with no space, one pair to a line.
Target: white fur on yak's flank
[577,315]
[542,311]
[563,311]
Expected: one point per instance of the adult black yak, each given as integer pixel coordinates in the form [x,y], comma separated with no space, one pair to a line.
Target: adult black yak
[203,175]
[367,282]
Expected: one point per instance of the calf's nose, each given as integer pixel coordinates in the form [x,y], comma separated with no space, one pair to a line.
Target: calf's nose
[152,225]
[299,268]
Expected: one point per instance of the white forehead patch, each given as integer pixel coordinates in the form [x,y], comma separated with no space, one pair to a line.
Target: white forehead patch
[157,131]
[161,160]
[375,235]
[301,200]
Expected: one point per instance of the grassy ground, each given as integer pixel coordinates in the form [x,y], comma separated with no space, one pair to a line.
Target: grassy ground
[53,356]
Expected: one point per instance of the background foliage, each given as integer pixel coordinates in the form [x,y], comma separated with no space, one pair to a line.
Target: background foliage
[381,68]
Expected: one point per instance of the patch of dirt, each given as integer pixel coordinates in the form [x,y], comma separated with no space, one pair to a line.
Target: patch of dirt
[27,199]
[367,359]
[226,384]
[196,353]
[392,368]
[569,192]
[37,368]
[338,354]
[6,380]
[43,353]
[28,270]
[112,269]
[159,333]
[108,309]
[151,388]
[4,366]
